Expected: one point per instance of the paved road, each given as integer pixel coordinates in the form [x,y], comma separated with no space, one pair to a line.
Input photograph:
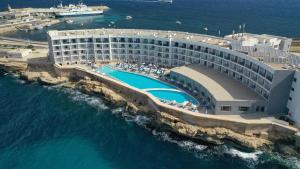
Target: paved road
[15,41]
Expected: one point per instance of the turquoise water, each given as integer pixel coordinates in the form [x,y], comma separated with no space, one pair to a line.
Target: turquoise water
[136,80]
[144,82]
[173,95]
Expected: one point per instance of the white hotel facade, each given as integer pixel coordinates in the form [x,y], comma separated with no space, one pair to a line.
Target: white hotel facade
[248,84]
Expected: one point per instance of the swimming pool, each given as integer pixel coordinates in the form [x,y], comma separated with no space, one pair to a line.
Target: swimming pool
[155,87]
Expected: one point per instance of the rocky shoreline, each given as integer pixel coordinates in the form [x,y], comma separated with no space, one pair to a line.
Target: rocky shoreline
[212,135]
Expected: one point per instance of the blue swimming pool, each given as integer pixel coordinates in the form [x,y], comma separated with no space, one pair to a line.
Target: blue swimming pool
[160,89]
[179,97]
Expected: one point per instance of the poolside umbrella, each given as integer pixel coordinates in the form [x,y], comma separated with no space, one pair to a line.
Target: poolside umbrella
[195,91]
[184,85]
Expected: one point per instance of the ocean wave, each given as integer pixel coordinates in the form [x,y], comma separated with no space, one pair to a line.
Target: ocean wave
[244,155]
[295,162]
[185,144]
[78,96]
[20,81]
[141,120]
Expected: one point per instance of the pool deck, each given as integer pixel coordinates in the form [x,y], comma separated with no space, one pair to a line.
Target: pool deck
[219,85]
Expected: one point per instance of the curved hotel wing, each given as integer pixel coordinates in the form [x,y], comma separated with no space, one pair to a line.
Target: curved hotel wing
[231,81]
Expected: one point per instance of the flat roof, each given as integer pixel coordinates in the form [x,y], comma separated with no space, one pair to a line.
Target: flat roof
[220,86]
[193,37]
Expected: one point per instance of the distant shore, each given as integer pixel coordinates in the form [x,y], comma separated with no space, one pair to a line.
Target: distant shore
[43,21]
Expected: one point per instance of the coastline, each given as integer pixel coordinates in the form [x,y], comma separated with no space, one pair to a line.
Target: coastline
[47,75]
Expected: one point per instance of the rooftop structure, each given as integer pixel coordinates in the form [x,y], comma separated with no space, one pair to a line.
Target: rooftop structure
[248,39]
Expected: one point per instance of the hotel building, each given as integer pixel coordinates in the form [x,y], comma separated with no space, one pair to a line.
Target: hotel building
[231,81]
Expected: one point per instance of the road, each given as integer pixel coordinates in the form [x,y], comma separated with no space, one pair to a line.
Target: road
[22,42]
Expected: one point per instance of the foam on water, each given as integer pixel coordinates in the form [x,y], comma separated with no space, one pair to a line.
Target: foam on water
[186,144]
[78,96]
[244,155]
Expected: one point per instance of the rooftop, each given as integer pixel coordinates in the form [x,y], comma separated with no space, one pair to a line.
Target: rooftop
[140,32]
[221,87]
[246,36]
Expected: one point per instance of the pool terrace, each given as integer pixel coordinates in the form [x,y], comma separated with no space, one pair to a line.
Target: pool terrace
[166,93]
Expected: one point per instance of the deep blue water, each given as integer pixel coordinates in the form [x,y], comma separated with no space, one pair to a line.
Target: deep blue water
[279,17]
[53,128]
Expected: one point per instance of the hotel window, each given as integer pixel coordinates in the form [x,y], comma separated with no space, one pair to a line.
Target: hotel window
[73,40]
[137,41]
[292,89]
[114,40]
[130,40]
[243,108]
[225,108]
[65,41]
[98,40]
[105,40]
[295,79]
[56,42]
[82,40]
[269,76]
[290,98]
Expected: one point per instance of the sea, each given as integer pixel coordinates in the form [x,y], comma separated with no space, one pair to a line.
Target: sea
[44,127]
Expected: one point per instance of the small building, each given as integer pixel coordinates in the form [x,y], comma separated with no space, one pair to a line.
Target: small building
[260,46]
